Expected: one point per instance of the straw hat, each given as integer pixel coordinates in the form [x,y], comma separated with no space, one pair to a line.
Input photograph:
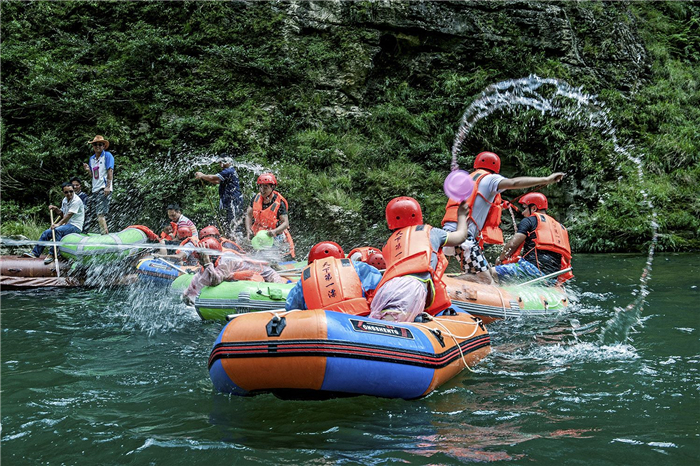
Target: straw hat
[99,138]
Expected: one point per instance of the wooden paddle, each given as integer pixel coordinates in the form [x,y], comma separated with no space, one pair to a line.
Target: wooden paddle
[55,249]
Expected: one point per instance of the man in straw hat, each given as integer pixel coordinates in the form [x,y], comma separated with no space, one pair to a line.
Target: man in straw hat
[101,169]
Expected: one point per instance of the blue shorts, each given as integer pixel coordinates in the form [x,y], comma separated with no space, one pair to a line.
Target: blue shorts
[99,202]
[519,271]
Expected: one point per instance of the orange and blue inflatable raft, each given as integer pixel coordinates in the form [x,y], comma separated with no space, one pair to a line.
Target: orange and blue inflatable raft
[316,354]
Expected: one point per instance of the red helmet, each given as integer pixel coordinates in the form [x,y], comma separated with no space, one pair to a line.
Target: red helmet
[539,199]
[326,249]
[183,233]
[376,259]
[489,161]
[403,212]
[267,178]
[208,231]
[208,243]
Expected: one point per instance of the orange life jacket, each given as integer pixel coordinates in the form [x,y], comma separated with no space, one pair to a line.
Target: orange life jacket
[267,219]
[408,252]
[248,275]
[491,232]
[333,284]
[364,251]
[550,235]
[168,237]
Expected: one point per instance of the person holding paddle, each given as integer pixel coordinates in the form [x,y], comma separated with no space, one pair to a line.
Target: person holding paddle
[71,217]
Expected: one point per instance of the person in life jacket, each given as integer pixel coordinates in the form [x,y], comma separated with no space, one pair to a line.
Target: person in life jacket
[184,253]
[415,264]
[540,246]
[333,282]
[219,265]
[227,244]
[269,211]
[485,213]
[368,255]
[169,233]
[183,223]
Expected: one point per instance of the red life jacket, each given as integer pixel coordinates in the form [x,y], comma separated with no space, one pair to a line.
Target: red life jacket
[248,275]
[268,219]
[408,252]
[333,284]
[491,232]
[550,235]
[168,237]
[364,251]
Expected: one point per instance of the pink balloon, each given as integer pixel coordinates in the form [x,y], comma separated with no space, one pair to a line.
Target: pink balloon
[458,185]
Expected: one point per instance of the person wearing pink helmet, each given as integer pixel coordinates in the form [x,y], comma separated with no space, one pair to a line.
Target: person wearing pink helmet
[268,211]
[485,212]
[540,246]
[415,264]
[333,282]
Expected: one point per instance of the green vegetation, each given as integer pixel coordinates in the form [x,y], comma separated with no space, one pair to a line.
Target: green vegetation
[346,116]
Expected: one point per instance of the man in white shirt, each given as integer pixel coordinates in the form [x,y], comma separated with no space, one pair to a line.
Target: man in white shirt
[101,170]
[71,217]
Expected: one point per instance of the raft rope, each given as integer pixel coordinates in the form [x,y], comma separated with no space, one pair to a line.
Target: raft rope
[454,337]
[503,302]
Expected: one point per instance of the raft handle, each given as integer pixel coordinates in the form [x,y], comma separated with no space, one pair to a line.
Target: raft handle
[275,326]
[438,335]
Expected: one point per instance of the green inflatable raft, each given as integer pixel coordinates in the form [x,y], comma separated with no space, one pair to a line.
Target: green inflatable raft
[103,249]
[237,297]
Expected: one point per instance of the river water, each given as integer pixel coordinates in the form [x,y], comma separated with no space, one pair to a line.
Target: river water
[120,377]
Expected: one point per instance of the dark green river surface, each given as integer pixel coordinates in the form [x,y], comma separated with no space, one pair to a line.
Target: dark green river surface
[120,376]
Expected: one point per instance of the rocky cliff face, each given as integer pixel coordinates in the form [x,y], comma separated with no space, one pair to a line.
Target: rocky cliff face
[597,42]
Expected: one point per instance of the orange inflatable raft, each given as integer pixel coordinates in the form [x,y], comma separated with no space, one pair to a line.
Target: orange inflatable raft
[490,302]
[322,354]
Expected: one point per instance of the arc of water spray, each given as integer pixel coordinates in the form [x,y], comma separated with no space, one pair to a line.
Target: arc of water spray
[525,92]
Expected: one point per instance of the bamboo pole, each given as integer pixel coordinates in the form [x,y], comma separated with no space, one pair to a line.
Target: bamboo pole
[55,249]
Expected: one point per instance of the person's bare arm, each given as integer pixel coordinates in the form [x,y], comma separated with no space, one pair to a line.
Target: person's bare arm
[110,178]
[249,222]
[457,237]
[510,247]
[522,182]
[284,224]
[213,179]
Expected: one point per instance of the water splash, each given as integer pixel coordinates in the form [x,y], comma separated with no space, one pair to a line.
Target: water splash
[555,97]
